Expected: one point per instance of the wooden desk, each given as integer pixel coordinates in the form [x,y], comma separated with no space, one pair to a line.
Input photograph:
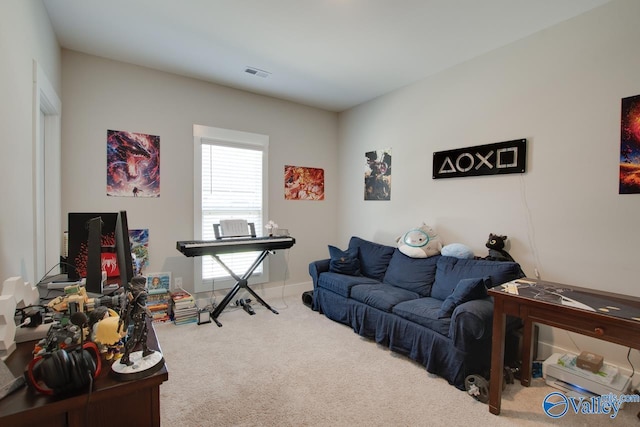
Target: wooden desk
[607,316]
[112,403]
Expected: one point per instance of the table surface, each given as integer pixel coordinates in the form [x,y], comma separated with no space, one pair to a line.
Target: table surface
[606,303]
[27,404]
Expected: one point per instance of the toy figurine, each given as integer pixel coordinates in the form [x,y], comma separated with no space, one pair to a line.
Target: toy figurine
[135,312]
[104,324]
[496,245]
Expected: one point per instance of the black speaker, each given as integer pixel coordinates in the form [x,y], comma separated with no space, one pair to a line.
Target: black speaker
[64,371]
[307,298]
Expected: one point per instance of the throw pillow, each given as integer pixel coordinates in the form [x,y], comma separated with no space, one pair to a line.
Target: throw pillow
[466,290]
[457,250]
[344,262]
[374,257]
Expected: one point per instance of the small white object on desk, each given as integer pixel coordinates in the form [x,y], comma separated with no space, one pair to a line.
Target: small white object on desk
[23,293]
[140,367]
[7,326]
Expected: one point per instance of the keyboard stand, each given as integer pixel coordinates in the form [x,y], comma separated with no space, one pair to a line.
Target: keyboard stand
[241,283]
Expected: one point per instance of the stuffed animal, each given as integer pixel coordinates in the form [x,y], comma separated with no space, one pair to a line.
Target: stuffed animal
[496,245]
[457,250]
[421,242]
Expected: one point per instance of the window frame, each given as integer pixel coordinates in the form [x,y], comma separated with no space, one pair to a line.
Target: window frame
[233,138]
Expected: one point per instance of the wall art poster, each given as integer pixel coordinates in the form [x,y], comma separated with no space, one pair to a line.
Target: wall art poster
[140,250]
[133,164]
[377,175]
[302,183]
[630,146]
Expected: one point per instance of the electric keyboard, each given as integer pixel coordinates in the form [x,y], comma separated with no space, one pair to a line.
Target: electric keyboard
[193,248]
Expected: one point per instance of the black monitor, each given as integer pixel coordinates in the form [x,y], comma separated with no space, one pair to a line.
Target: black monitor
[79,223]
[99,242]
[123,249]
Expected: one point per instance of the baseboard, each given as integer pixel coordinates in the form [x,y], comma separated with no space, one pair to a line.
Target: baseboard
[278,290]
[266,291]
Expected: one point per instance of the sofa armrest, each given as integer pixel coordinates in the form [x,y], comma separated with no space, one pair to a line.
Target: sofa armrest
[471,321]
[317,267]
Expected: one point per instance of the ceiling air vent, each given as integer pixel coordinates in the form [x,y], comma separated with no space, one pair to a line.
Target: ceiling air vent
[257,72]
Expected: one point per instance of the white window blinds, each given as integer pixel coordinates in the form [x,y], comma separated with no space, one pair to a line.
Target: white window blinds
[230,185]
[231,189]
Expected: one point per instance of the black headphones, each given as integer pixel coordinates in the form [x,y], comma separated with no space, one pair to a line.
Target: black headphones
[63,371]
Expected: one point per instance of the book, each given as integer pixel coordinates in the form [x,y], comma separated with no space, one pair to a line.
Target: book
[181,295]
[183,308]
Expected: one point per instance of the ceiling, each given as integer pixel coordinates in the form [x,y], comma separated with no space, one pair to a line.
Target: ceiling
[330,54]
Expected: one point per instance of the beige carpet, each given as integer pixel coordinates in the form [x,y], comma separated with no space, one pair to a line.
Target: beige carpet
[299,368]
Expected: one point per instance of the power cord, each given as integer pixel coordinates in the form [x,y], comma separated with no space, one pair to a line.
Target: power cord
[42,280]
[33,315]
[284,281]
[633,369]
[530,229]
[574,343]
[86,405]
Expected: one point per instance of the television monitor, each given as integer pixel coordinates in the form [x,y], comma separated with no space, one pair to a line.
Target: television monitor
[78,228]
[123,249]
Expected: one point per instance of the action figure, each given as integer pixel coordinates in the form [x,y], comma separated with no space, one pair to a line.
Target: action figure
[135,310]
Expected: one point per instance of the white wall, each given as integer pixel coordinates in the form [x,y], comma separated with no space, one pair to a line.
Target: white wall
[560,89]
[101,94]
[25,35]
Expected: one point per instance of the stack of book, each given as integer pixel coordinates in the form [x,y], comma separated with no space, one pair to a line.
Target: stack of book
[158,304]
[183,308]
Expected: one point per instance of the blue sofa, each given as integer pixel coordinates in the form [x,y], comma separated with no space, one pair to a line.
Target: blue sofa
[434,310]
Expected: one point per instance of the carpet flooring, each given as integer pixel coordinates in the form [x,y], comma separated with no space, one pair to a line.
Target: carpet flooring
[299,368]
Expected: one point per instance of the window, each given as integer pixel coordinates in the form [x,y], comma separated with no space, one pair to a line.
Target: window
[230,183]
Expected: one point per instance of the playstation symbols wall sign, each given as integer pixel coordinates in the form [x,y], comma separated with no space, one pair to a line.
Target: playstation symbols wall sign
[490,159]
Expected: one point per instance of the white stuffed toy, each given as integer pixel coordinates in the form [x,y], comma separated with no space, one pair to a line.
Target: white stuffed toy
[421,242]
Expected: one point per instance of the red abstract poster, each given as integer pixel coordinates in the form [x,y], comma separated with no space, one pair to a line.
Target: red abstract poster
[302,183]
[133,164]
[630,146]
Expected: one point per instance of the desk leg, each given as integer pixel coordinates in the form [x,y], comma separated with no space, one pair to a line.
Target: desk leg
[497,357]
[527,347]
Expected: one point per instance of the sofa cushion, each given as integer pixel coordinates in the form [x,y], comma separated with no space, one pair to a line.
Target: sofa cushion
[466,290]
[374,257]
[381,296]
[450,271]
[344,262]
[413,274]
[341,284]
[424,311]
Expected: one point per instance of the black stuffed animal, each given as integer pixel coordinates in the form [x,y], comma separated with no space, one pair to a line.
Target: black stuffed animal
[496,245]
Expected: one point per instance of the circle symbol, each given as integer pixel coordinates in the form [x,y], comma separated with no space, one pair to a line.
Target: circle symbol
[416,238]
[555,404]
